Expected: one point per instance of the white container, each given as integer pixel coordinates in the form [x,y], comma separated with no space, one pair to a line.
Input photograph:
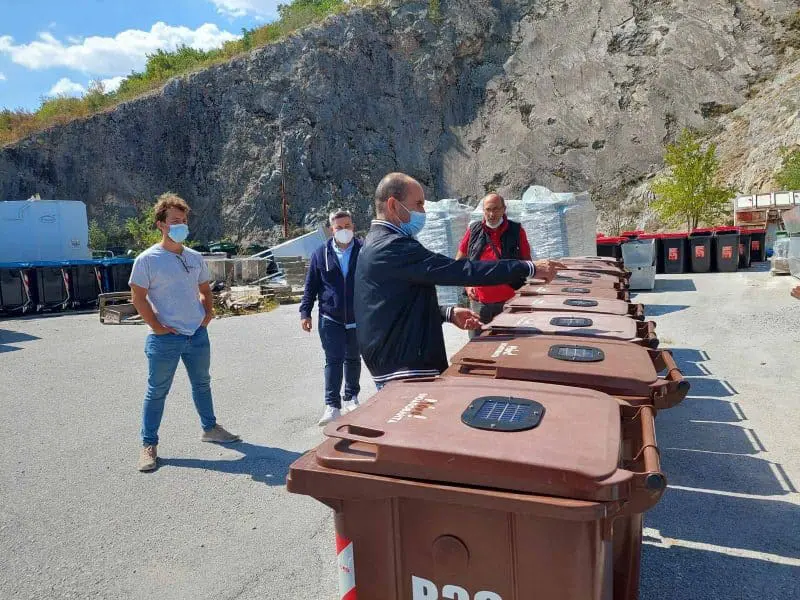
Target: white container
[791,220]
[783,199]
[447,222]
[794,256]
[43,230]
[780,257]
[303,246]
[764,200]
[642,278]
[639,253]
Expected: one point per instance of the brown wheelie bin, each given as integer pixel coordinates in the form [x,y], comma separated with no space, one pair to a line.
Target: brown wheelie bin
[621,369]
[465,488]
[535,289]
[522,304]
[602,326]
[627,371]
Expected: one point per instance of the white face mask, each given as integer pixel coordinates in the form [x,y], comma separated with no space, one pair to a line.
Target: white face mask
[496,225]
[343,236]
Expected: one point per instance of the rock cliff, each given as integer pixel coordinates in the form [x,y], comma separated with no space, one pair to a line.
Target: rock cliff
[483,95]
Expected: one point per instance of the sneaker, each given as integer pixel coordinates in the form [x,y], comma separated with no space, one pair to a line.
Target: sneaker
[219,435]
[148,458]
[331,413]
[350,405]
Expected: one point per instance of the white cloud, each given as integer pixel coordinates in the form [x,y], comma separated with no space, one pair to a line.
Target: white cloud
[66,87]
[111,56]
[2,77]
[240,8]
[112,84]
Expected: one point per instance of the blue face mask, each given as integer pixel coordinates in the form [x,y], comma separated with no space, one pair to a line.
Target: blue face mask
[415,224]
[178,233]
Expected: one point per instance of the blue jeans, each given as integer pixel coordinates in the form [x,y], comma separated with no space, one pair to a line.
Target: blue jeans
[164,352]
[341,358]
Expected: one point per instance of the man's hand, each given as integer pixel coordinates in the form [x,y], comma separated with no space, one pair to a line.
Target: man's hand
[796,292]
[471,293]
[305,325]
[207,319]
[161,330]
[547,269]
[464,318]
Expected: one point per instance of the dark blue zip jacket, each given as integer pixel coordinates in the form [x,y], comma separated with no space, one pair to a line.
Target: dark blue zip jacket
[326,283]
[399,318]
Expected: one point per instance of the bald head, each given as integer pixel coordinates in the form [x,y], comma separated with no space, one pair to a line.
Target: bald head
[403,189]
[494,207]
[494,198]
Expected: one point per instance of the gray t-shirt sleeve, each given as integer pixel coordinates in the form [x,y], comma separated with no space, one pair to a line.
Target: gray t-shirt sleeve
[204,274]
[140,274]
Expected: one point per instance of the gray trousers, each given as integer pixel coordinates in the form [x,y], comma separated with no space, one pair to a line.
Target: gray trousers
[486,312]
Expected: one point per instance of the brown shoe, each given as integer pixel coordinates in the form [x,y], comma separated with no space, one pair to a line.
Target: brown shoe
[219,435]
[148,458]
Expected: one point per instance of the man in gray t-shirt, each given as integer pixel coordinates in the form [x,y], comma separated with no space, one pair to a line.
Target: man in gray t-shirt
[170,289]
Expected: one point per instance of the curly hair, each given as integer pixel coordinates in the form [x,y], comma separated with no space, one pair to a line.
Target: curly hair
[167,201]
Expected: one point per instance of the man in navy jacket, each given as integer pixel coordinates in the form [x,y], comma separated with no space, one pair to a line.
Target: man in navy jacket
[399,317]
[330,279]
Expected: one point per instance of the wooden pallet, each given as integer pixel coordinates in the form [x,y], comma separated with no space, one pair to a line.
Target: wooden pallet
[118,309]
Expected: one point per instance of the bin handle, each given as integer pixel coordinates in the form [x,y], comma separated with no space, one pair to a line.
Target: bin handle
[647,331]
[637,311]
[354,433]
[674,387]
[650,483]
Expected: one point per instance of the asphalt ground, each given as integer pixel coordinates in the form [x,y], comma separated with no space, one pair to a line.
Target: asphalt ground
[78,521]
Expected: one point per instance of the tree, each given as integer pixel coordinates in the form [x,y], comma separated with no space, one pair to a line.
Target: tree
[98,240]
[788,176]
[142,229]
[689,194]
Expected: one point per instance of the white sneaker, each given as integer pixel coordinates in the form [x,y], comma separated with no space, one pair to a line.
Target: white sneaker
[350,405]
[329,415]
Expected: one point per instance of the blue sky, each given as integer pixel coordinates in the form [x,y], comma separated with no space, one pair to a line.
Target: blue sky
[50,47]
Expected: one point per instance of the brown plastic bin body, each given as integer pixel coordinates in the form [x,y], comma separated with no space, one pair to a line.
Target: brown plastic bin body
[624,370]
[596,325]
[523,304]
[437,508]
[535,289]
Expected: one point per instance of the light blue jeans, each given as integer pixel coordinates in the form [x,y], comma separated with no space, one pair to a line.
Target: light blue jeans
[164,352]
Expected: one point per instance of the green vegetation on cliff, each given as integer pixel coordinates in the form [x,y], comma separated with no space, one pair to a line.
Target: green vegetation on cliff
[163,65]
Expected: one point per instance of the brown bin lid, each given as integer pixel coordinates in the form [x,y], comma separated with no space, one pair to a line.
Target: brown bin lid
[597,267]
[564,323]
[591,275]
[610,260]
[418,429]
[568,304]
[533,289]
[583,279]
[611,366]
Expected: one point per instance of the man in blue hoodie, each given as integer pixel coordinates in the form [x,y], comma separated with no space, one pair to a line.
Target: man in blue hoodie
[330,280]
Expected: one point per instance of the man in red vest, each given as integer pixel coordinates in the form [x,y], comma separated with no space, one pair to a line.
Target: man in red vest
[492,239]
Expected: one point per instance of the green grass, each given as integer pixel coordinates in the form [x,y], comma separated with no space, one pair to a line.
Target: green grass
[162,66]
